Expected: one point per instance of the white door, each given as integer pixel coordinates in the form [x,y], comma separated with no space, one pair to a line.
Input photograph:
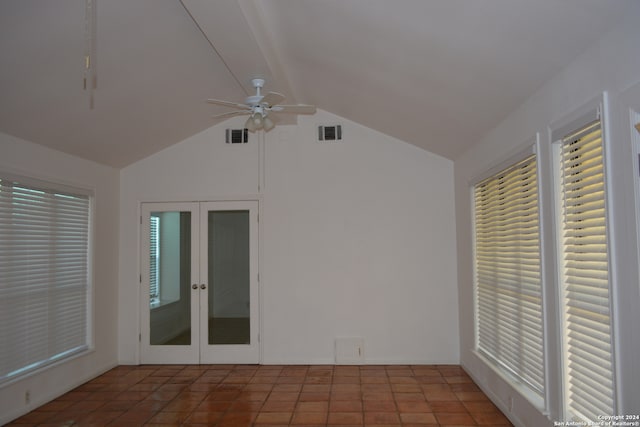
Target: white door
[199,282]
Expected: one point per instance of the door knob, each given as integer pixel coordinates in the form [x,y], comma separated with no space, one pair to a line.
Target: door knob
[194,286]
[203,286]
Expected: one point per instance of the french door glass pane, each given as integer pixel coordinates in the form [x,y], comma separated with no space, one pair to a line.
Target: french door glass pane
[170,311]
[229,280]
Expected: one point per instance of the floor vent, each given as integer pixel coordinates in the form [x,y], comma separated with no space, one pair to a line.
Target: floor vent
[237,136]
[330,133]
[349,350]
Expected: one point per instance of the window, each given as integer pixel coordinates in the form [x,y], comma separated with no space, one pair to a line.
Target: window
[44,275]
[507,266]
[584,275]
[154,260]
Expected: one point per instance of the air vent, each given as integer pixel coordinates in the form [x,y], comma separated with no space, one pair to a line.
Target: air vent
[330,133]
[237,136]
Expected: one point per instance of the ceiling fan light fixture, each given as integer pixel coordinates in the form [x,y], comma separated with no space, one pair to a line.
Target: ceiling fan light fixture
[250,125]
[259,106]
[268,124]
[257,120]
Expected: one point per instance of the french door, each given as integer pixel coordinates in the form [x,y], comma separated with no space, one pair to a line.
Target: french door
[199,293]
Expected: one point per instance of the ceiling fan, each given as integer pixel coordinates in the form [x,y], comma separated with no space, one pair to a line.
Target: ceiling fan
[258,107]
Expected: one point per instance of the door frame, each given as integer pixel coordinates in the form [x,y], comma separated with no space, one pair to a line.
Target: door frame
[193,354]
[231,353]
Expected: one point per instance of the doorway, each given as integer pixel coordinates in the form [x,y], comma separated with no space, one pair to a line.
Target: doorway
[199,282]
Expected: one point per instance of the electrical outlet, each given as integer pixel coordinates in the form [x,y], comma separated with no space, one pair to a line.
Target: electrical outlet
[27,397]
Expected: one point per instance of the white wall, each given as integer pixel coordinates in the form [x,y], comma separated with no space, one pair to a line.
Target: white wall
[24,158]
[357,238]
[613,64]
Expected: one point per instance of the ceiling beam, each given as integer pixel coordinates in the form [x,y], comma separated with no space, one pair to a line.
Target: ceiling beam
[236,33]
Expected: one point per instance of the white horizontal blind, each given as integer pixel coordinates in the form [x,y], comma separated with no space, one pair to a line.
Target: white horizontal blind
[585,276]
[508,284]
[44,238]
[154,255]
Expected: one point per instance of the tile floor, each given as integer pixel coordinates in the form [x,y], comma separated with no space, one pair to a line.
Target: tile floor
[242,395]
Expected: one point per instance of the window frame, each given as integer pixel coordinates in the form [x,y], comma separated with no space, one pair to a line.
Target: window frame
[157,300]
[54,186]
[509,161]
[596,109]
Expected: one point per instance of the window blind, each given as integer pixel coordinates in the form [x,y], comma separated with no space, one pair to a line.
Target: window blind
[508,285]
[44,242]
[585,276]
[154,255]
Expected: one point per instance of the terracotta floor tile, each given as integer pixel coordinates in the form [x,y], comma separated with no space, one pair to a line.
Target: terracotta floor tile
[448,407]
[290,380]
[345,387]
[346,380]
[204,417]
[287,388]
[403,380]
[238,418]
[316,388]
[132,395]
[56,405]
[253,396]
[224,396]
[377,396]
[346,395]
[381,418]
[258,387]
[417,418]
[345,406]
[435,396]
[495,418]
[163,417]
[246,395]
[309,418]
[85,406]
[455,419]
[318,380]
[406,388]
[464,387]
[414,406]
[273,417]
[213,406]
[245,406]
[379,405]
[99,417]
[314,397]
[432,380]
[475,407]
[383,379]
[472,396]
[312,406]
[342,418]
[34,417]
[278,406]
[118,405]
[412,397]
[134,416]
[376,388]
[162,395]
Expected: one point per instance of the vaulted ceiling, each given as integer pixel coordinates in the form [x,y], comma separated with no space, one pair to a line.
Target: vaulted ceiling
[435,73]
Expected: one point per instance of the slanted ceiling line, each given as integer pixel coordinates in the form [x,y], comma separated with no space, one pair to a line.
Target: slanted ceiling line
[213,47]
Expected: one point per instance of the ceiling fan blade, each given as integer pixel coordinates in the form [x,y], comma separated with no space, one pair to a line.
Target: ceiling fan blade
[228,104]
[231,114]
[272,98]
[295,109]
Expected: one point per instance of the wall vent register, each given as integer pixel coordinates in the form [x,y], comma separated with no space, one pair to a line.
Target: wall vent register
[237,136]
[330,133]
